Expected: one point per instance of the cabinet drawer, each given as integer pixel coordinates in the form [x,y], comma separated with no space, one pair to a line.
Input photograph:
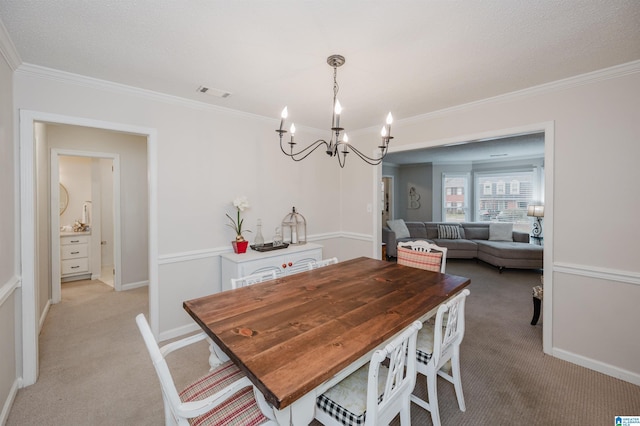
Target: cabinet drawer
[73,251]
[75,239]
[74,266]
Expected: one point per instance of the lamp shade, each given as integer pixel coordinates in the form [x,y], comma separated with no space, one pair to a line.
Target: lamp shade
[535,211]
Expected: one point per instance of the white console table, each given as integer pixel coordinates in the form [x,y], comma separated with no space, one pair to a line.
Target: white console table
[284,261]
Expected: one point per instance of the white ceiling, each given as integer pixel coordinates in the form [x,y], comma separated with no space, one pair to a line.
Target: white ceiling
[410,57]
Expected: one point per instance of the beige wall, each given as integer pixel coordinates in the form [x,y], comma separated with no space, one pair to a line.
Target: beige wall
[206,156]
[9,294]
[132,151]
[597,129]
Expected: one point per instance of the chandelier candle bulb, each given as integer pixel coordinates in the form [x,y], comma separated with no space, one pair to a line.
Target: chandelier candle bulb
[283,116]
[338,110]
[293,131]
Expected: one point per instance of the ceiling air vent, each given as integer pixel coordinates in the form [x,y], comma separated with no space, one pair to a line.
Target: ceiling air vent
[213,92]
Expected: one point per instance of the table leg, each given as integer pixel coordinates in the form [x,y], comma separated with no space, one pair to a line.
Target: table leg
[301,412]
[216,356]
[536,310]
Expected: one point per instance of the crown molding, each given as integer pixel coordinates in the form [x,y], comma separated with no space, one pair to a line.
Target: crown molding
[9,52]
[555,86]
[52,74]
[7,49]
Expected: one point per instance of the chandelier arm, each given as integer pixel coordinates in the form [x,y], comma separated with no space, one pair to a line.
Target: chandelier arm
[312,147]
[365,158]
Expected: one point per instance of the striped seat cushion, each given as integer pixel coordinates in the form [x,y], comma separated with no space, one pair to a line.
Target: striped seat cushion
[347,401]
[239,409]
[424,344]
[430,261]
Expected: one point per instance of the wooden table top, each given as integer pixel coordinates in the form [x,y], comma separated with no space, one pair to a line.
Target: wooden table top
[292,334]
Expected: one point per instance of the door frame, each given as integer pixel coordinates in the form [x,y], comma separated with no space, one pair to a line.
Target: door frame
[56,153]
[548,129]
[28,237]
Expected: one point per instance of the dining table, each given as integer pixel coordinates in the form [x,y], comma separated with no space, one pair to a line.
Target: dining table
[298,335]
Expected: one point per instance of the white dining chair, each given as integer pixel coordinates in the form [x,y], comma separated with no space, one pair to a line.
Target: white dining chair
[423,255]
[322,263]
[297,267]
[374,394]
[253,279]
[438,353]
[223,396]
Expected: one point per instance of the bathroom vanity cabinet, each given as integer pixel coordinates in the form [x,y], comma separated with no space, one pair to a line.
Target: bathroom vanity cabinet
[75,256]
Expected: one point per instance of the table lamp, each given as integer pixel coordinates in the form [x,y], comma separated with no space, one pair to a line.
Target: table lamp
[536,211]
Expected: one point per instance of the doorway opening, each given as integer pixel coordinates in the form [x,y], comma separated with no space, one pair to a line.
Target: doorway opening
[35,238]
[475,141]
[85,236]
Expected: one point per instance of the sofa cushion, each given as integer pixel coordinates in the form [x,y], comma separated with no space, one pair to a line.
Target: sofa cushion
[449,232]
[511,250]
[399,227]
[460,244]
[417,229]
[476,231]
[499,231]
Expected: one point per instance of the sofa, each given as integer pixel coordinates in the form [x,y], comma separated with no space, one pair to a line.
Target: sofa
[494,243]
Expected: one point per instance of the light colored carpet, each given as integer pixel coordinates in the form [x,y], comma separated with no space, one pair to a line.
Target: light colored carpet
[95,370]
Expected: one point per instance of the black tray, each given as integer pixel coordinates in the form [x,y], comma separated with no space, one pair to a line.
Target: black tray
[269,247]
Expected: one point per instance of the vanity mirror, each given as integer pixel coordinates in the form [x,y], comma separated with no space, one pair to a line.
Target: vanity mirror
[64,199]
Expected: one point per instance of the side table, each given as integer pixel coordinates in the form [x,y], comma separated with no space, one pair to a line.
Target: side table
[537,301]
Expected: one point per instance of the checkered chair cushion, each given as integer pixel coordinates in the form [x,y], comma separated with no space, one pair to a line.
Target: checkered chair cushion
[347,401]
[416,259]
[239,409]
[424,345]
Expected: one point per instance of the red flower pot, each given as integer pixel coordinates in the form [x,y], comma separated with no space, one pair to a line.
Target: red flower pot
[240,246]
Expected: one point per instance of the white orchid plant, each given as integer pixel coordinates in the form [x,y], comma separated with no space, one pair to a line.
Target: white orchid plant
[241,204]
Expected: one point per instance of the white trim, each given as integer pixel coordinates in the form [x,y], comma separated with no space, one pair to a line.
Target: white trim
[28,254]
[43,317]
[555,86]
[188,256]
[601,367]
[627,277]
[131,286]
[9,52]
[7,290]
[8,403]
[31,70]
[179,331]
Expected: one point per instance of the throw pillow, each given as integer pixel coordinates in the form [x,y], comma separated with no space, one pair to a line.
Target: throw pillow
[449,232]
[399,227]
[500,231]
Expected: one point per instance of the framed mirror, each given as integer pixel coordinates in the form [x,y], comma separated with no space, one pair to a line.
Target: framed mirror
[64,198]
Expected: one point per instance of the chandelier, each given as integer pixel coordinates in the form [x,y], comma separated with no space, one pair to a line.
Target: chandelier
[338,145]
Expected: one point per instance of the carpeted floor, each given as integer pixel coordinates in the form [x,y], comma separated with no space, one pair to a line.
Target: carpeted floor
[95,370]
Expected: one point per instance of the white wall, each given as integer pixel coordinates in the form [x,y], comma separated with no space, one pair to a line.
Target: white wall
[597,129]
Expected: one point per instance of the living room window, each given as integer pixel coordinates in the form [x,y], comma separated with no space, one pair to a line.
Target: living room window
[511,193]
[456,197]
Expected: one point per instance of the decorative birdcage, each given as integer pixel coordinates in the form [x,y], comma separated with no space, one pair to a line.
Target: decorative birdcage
[294,228]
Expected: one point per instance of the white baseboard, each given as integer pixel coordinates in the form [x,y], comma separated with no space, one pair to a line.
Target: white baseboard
[131,286]
[601,367]
[179,331]
[8,403]
[45,312]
